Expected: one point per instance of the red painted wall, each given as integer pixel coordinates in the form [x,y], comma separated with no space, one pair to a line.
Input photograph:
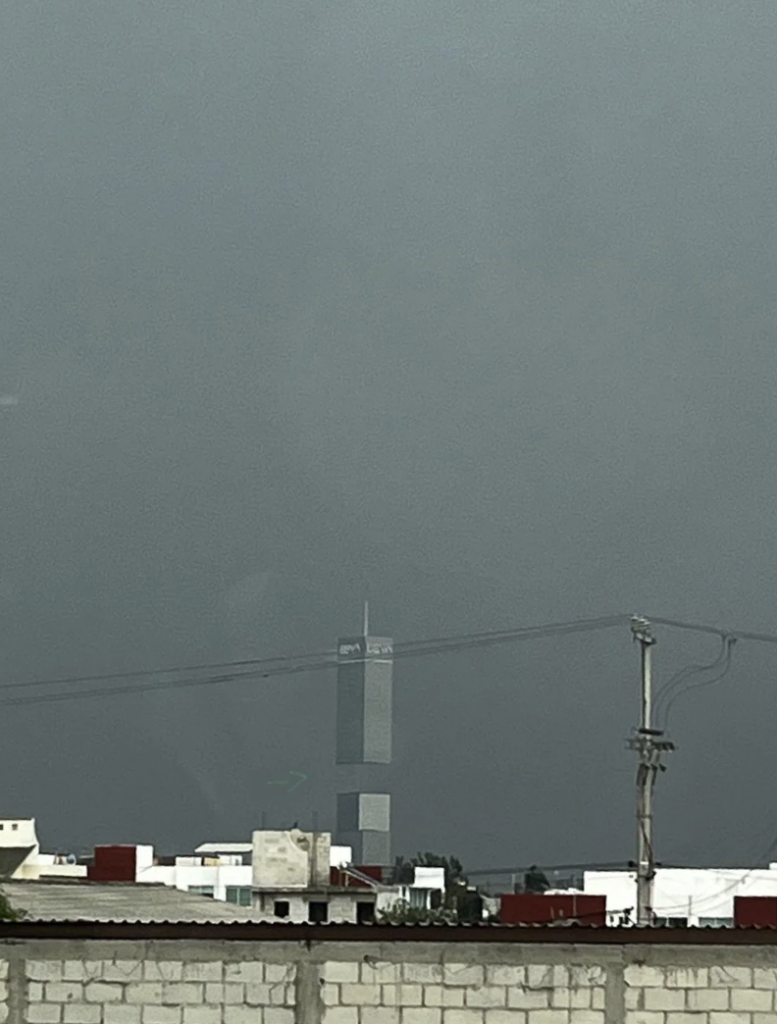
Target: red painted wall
[113,864]
[755,911]
[530,908]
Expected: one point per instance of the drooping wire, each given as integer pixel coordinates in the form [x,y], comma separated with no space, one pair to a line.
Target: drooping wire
[665,692]
[730,641]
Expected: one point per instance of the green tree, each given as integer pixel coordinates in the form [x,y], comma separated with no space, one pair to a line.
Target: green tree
[460,903]
[402,913]
[7,912]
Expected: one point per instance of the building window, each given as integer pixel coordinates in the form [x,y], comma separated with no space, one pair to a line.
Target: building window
[318,912]
[716,922]
[281,908]
[672,922]
[240,895]
[365,913]
[201,890]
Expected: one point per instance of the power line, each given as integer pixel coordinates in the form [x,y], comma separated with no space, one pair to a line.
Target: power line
[147,673]
[266,668]
[270,667]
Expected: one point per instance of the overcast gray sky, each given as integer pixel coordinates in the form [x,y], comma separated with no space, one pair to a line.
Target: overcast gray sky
[468,309]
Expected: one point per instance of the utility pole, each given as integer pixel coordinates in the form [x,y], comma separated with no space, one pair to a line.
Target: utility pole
[650,747]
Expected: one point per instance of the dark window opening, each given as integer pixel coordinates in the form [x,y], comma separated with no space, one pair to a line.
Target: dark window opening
[281,908]
[365,913]
[318,912]
[672,922]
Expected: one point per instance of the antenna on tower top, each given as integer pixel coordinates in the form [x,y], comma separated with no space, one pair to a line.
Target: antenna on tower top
[366,618]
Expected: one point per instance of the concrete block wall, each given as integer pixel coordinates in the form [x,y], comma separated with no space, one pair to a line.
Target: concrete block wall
[203,981]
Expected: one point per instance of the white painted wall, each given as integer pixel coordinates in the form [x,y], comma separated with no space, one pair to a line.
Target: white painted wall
[698,894]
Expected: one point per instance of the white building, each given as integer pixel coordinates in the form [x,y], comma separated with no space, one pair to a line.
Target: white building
[20,855]
[293,882]
[683,896]
[223,871]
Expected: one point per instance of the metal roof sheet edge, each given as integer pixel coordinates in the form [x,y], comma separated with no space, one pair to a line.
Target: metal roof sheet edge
[263,931]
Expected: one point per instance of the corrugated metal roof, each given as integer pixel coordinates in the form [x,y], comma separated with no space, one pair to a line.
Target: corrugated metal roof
[114,901]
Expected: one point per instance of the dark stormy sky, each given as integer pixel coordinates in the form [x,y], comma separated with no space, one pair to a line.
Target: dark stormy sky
[466,308]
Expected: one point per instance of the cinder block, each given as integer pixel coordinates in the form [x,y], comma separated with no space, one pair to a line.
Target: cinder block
[754,1000]
[211,971]
[201,1015]
[167,1014]
[597,998]
[44,970]
[115,1014]
[664,999]
[421,1015]
[241,1015]
[182,993]
[82,1014]
[277,1015]
[730,1018]
[231,994]
[64,992]
[647,1017]
[687,977]
[452,997]
[252,971]
[342,971]
[422,974]
[703,1000]
[731,977]
[504,975]
[214,993]
[589,1017]
[3,969]
[528,999]
[463,974]
[763,1018]
[379,972]
[103,992]
[330,994]
[682,1018]
[402,995]
[280,972]
[505,1016]
[486,997]
[162,970]
[561,998]
[44,1013]
[580,998]
[76,970]
[548,1017]
[462,1016]
[259,995]
[340,1015]
[586,976]
[282,995]
[379,1015]
[35,990]
[149,992]
[641,976]
[118,970]
[3,1013]
[360,995]
[765,977]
